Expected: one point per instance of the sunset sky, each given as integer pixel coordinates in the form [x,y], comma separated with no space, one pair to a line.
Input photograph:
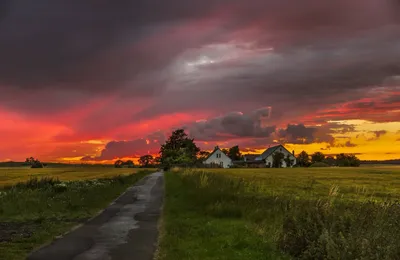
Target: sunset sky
[96,80]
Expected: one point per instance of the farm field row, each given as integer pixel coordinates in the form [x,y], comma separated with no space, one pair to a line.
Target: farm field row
[364,183]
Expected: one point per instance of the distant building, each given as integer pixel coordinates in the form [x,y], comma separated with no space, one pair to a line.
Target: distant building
[218,159]
[250,157]
[267,155]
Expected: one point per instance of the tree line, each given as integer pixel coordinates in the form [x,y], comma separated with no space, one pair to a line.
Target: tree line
[180,150]
[319,159]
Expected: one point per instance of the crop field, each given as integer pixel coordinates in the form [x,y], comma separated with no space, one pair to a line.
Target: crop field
[297,213]
[37,205]
[13,175]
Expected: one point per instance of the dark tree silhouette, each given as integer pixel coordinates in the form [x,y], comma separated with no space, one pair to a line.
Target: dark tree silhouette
[34,163]
[303,159]
[146,160]
[317,157]
[178,149]
[234,153]
[289,161]
[118,163]
[130,164]
[277,159]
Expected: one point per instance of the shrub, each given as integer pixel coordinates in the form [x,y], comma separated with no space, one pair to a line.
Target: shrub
[36,183]
[319,164]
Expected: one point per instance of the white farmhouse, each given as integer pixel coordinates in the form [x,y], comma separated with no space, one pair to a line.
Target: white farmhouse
[267,155]
[217,157]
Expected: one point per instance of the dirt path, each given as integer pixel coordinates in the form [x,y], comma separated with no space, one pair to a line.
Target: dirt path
[127,229]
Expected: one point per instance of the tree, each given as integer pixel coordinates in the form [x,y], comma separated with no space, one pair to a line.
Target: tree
[277,159]
[234,153]
[156,161]
[203,156]
[344,160]
[330,161]
[303,160]
[225,151]
[178,149]
[288,160]
[34,163]
[130,164]
[317,157]
[118,163]
[146,160]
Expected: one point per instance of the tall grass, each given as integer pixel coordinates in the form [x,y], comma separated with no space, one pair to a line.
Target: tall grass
[323,227]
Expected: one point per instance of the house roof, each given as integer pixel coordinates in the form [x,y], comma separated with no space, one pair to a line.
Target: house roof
[251,157]
[216,149]
[269,151]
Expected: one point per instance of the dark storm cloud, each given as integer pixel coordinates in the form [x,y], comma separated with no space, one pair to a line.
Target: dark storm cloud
[233,125]
[301,134]
[324,52]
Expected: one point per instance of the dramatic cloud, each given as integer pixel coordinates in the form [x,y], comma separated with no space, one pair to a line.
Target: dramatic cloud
[101,70]
[378,134]
[233,125]
[130,149]
[300,134]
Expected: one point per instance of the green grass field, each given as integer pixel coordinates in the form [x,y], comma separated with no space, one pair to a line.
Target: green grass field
[37,205]
[13,175]
[298,213]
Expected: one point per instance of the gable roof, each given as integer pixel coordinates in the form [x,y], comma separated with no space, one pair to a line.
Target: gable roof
[216,149]
[268,152]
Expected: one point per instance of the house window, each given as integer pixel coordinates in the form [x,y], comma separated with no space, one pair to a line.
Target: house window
[218,155]
[221,164]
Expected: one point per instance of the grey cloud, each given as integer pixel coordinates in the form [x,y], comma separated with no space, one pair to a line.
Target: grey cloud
[133,148]
[233,125]
[301,134]
[347,144]
[378,134]
[100,47]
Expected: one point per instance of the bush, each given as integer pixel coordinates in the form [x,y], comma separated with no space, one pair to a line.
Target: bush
[36,183]
[319,164]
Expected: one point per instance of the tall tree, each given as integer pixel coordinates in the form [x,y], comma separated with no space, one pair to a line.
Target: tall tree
[303,159]
[288,160]
[277,159]
[146,160]
[234,153]
[317,157]
[178,149]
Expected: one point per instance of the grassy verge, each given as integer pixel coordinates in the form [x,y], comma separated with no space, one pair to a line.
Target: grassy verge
[210,215]
[198,225]
[34,212]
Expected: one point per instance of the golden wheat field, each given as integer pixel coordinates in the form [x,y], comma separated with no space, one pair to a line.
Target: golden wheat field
[13,175]
[379,182]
